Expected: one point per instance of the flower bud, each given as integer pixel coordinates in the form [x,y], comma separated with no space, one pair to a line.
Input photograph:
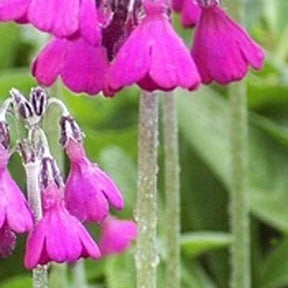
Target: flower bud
[70,130]
[38,100]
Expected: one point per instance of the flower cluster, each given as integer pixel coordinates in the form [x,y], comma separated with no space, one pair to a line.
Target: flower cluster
[107,45]
[55,213]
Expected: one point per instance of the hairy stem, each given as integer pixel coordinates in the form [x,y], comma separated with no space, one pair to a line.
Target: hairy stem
[172,191]
[40,276]
[146,254]
[239,206]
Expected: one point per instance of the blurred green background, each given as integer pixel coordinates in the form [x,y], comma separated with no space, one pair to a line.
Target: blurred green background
[110,126]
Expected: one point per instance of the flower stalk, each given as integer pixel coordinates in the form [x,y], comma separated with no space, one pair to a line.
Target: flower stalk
[172,191]
[239,205]
[146,254]
[40,275]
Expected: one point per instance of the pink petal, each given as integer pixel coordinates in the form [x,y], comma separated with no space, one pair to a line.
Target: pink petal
[171,62]
[190,13]
[13,9]
[108,187]
[59,17]
[85,67]
[35,245]
[132,60]
[89,25]
[117,235]
[48,64]
[62,241]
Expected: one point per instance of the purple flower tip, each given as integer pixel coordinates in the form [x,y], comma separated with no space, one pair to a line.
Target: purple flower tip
[117,235]
[222,49]
[59,236]
[7,241]
[89,190]
[153,56]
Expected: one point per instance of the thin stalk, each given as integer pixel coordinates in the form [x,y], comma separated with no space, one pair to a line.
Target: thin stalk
[146,254]
[172,191]
[239,205]
[40,276]
[79,275]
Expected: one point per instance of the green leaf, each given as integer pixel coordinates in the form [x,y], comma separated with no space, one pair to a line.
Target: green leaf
[120,271]
[196,243]
[274,272]
[17,281]
[204,121]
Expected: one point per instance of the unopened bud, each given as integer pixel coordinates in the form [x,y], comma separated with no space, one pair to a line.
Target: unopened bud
[4,134]
[70,130]
[38,100]
[50,173]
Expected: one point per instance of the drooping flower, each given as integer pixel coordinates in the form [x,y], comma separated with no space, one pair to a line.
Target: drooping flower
[153,56]
[81,65]
[222,49]
[60,17]
[14,209]
[59,236]
[190,13]
[89,190]
[116,235]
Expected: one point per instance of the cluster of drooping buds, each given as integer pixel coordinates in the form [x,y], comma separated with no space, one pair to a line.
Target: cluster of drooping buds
[54,212]
[105,45]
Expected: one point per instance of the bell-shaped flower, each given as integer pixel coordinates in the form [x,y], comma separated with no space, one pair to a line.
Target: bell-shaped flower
[81,65]
[14,209]
[89,190]
[116,235]
[222,49]
[153,56]
[62,18]
[59,236]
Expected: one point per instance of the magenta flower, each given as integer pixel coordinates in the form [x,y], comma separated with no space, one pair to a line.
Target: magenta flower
[89,190]
[222,49]
[190,13]
[60,17]
[81,65]
[116,235]
[153,56]
[14,209]
[59,236]
[177,5]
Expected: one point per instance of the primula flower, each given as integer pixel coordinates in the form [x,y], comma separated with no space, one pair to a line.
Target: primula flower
[60,17]
[81,65]
[116,235]
[190,13]
[14,209]
[222,49]
[153,56]
[59,236]
[89,190]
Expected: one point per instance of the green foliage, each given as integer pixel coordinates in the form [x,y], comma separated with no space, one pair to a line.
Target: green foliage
[110,126]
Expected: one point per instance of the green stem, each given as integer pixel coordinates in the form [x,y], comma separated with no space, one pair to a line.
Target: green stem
[239,206]
[240,250]
[146,254]
[172,191]
[40,276]
[79,275]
